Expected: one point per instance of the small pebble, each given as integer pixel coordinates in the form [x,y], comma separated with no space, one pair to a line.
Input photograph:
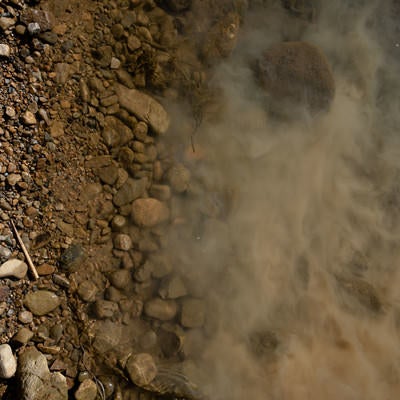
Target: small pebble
[33,28]
[29,118]
[26,317]
[122,242]
[5,50]
[115,63]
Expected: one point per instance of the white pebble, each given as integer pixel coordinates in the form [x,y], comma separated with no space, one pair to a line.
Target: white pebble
[115,63]
[13,267]
[8,363]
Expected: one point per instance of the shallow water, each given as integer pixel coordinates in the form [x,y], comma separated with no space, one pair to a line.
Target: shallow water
[307,259]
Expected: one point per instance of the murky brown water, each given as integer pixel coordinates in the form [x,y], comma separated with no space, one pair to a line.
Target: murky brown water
[302,276]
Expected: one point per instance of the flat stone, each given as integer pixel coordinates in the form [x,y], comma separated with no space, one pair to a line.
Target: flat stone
[144,107]
[141,369]
[149,212]
[15,268]
[193,313]
[23,336]
[8,364]
[41,302]
[87,390]
[131,190]
[164,310]
[45,269]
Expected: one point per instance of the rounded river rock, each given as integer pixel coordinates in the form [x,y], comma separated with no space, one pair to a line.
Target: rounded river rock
[41,302]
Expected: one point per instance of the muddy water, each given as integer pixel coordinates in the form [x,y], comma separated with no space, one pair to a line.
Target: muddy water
[301,274]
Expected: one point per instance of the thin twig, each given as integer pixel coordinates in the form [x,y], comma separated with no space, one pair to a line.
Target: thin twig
[25,251]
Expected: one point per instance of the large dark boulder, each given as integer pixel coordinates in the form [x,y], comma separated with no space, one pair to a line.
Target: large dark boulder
[296,74]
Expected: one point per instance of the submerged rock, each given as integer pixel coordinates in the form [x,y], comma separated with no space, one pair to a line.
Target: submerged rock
[163,310]
[296,74]
[149,212]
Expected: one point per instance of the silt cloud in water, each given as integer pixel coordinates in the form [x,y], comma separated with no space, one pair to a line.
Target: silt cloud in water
[301,277]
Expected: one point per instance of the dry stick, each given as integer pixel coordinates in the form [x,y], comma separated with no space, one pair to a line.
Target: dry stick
[27,256]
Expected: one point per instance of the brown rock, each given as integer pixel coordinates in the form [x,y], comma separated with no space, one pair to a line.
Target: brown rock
[144,107]
[131,190]
[297,73]
[45,269]
[141,369]
[122,242]
[57,129]
[149,212]
[163,310]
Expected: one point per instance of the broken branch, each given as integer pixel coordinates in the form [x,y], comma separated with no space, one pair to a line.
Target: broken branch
[25,251]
